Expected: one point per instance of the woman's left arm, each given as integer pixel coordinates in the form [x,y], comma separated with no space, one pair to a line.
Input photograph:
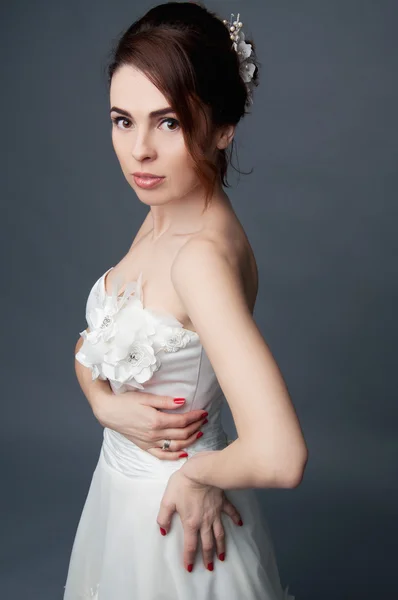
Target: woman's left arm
[270,450]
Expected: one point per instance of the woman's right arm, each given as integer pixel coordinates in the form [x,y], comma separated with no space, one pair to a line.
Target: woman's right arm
[97,392]
[137,415]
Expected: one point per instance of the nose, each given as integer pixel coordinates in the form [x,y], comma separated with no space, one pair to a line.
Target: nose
[142,146]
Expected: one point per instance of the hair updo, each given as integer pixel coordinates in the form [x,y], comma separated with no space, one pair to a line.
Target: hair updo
[186,52]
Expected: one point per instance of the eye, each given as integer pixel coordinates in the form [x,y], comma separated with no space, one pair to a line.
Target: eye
[170,120]
[117,120]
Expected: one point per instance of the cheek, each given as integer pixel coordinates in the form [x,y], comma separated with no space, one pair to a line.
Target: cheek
[182,160]
[184,177]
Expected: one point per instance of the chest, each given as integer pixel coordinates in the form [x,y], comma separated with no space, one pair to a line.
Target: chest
[155,262]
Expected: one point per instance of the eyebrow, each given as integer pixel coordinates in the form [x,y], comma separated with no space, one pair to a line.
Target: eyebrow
[152,115]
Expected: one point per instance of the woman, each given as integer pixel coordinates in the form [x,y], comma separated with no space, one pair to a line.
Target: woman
[171,331]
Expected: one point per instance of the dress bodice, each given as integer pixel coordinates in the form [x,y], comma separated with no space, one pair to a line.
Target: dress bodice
[136,347]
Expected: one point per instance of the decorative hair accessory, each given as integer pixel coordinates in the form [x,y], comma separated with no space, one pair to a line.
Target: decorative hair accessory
[244,51]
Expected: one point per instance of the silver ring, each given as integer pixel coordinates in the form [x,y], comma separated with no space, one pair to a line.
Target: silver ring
[166,444]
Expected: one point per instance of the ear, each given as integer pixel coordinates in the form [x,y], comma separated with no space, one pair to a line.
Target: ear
[225,136]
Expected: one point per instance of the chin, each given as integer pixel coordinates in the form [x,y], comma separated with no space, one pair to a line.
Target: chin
[150,199]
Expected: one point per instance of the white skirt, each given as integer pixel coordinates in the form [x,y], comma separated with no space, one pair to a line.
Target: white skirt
[119,553]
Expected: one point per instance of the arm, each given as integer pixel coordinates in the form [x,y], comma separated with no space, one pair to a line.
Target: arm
[139,415]
[270,450]
[97,392]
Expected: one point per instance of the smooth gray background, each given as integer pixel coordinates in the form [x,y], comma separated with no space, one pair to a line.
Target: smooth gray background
[320,211]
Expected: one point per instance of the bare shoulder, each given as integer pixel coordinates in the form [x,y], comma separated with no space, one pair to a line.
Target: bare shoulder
[224,246]
[208,281]
[199,254]
[215,277]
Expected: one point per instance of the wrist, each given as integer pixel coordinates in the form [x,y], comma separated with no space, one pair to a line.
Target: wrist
[193,467]
[100,401]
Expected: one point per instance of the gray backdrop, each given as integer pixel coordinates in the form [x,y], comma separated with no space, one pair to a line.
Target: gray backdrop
[320,211]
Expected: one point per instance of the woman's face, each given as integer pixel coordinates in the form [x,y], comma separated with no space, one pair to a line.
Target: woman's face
[149,144]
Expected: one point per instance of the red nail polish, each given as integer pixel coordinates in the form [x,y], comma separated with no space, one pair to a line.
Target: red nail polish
[163,531]
[222,556]
[179,400]
[183,455]
[199,435]
[240,522]
[205,414]
[205,421]
[190,567]
[210,566]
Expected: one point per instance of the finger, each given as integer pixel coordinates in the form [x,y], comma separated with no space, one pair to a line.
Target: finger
[185,433]
[171,403]
[166,421]
[219,537]
[190,545]
[180,446]
[177,449]
[162,402]
[206,534]
[167,455]
[230,510]
[165,514]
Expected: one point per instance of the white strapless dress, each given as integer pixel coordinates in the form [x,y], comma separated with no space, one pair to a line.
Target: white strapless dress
[118,551]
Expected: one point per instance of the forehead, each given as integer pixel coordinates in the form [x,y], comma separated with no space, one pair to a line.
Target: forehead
[131,88]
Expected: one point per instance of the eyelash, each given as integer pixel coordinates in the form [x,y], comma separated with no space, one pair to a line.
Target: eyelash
[116,121]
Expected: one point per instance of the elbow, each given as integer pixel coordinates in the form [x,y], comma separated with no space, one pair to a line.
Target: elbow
[291,478]
[287,475]
[293,481]
[281,469]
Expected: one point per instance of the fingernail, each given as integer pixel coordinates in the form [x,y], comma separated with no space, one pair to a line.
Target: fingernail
[163,531]
[190,567]
[199,434]
[183,455]
[205,421]
[210,566]
[222,556]
[179,400]
[240,523]
[205,414]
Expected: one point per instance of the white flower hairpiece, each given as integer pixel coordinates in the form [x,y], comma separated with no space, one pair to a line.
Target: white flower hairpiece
[244,51]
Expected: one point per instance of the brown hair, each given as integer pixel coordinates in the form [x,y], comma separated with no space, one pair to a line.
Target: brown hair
[186,52]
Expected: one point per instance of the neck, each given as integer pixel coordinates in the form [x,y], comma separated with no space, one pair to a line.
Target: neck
[183,215]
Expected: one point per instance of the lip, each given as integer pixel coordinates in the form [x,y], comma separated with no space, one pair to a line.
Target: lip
[142,174]
[148,181]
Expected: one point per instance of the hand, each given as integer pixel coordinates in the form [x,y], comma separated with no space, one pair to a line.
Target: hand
[138,416]
[199,507]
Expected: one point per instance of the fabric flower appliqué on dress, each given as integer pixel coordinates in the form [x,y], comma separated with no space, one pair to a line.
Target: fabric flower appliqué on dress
[135,362]
[173,338]
[125,338]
